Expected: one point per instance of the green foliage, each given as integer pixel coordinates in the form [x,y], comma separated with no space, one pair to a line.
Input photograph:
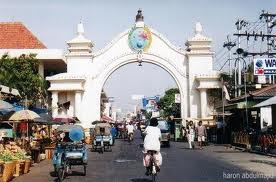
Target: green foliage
[6,156]
[20,156]
[22,73]
[167,103]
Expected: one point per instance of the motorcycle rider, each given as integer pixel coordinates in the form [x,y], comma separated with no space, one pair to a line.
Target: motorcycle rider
[152,143]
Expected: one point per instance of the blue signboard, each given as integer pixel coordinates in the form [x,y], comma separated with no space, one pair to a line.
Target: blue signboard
[265,66]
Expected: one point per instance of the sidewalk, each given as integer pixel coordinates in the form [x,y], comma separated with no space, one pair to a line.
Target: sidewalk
[248,161]
[38,172]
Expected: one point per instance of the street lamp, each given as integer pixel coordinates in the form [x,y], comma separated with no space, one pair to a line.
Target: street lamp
[245,90]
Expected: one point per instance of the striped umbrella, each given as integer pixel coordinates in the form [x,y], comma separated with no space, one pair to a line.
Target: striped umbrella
[24,115]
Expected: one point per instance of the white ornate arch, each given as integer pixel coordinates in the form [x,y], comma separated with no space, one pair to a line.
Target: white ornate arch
[88,71]
[178,75]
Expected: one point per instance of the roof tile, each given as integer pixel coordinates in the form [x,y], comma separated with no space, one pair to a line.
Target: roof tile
[14,35]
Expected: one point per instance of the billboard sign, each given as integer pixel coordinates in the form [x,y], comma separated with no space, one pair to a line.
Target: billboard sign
[265,66]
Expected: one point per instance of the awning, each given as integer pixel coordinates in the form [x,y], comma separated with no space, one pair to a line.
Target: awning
[8,90]
[239,105]
[106,118]
[267,102]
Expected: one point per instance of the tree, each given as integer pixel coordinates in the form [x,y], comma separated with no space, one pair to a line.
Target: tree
[167,104]
[22,74]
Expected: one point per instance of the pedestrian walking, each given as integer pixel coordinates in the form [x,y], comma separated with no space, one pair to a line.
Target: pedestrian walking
[184,133]
[201,134]
[191,134]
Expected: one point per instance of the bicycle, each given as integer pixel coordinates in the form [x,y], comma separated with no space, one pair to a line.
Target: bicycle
[152,167]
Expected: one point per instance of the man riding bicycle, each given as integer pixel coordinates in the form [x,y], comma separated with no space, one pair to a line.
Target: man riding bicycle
[152,143]
[130,131]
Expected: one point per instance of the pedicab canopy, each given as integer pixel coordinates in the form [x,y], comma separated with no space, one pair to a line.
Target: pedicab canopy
[102,128]
[76,132]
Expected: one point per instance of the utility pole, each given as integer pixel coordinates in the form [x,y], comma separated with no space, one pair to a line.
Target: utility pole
[270,23]
[229,45]
[239,24]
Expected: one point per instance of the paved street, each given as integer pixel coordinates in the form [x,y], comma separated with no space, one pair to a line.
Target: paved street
[124,164]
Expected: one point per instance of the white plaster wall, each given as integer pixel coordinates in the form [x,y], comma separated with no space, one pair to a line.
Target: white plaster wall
[66,85]
[80,66]
[197,65]
[119,46]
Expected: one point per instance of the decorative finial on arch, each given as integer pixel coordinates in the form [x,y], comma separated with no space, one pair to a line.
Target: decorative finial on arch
[198,28]
[139,16]
[80,29]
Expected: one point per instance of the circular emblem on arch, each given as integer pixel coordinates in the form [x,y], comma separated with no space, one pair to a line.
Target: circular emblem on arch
[139,39]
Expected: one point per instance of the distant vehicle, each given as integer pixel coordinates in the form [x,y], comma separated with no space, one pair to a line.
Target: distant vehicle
[165,132]
[103,139]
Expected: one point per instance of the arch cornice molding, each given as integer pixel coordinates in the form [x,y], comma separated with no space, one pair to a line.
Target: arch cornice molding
[126,32]
[129,57]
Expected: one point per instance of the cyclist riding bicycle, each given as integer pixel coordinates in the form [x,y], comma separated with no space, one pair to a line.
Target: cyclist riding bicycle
[152,143]
[130,130]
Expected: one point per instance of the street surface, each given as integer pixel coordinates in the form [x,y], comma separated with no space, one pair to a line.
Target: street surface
[124,164]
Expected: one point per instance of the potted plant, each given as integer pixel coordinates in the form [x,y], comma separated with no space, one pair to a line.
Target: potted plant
[9,165]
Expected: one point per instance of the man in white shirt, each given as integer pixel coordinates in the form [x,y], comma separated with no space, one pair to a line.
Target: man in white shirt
[130,129]
[152,142]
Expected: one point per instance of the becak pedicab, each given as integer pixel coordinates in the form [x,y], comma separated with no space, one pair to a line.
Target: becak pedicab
[70,150]
[103,139]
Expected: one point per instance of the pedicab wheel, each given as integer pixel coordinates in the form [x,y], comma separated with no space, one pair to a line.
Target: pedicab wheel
[84,170]
[101,150]
[60,174]
[55,171]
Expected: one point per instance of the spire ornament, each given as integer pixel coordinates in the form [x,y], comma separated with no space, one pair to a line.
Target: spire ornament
[139,16]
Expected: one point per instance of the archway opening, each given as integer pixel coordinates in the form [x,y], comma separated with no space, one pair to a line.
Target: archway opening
[135,91]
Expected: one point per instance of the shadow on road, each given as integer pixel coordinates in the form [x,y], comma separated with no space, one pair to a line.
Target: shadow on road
[140,180]
[187,148]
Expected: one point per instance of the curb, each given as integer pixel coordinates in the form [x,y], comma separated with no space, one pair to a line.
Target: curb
[261,153]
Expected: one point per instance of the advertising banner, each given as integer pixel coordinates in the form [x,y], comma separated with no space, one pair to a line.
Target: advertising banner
[265,66]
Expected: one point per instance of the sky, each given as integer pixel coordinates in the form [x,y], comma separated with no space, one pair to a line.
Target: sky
[54,22]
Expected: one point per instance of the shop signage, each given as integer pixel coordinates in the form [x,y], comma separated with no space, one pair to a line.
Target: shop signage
[265,66]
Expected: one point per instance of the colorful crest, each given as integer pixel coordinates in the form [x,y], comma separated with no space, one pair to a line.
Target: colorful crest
[139,39]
